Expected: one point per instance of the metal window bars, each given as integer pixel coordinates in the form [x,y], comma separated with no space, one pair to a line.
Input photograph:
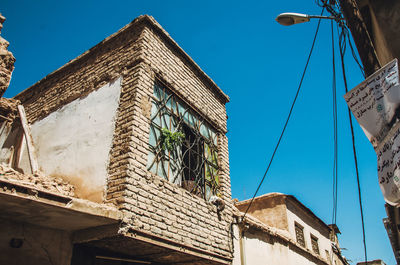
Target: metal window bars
[192,163]
[314,244]
[299,234]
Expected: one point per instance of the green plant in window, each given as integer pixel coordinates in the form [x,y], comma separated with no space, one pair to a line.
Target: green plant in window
[170,140]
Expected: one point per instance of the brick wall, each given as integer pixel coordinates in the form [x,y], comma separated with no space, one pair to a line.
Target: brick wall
[143,52]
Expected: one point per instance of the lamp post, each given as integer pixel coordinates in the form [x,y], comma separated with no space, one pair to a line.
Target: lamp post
[355,23]
[288,19]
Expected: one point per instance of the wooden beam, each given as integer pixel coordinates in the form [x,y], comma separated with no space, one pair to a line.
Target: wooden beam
[361,37]
[5,130]
[29,141]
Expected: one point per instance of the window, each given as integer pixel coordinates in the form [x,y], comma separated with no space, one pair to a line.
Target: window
[328,258]
[314,244]
[191,161]
[299,234]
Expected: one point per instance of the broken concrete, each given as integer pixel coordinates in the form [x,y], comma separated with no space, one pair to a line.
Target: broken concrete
[39,182]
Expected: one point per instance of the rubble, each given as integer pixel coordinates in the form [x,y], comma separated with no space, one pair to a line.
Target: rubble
[9,107]
[39,181]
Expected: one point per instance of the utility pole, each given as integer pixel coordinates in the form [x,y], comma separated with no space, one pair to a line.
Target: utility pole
[361,37]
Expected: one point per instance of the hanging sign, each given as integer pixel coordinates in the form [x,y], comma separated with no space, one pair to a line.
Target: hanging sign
[376,105]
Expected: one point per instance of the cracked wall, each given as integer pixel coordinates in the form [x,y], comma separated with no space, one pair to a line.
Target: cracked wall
[73,142]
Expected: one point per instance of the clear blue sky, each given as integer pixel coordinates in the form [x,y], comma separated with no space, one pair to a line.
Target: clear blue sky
[258,63]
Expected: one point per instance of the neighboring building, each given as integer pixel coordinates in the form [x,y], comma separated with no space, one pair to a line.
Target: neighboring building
[375,28]
[372,262]
[121,158]
[278,229]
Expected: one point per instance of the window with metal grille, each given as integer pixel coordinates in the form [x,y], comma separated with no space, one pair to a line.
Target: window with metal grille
[183,146]
[314,244]
[299,234]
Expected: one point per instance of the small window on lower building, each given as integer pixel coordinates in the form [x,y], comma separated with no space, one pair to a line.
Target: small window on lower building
[314,244]
[299,234]
[328,257]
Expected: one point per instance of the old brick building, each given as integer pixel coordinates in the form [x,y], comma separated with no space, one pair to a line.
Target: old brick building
[122,159]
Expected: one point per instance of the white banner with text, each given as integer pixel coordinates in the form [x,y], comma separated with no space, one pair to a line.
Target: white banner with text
[376,105]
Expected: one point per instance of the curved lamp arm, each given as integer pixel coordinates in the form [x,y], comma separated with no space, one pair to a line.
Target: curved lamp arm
[288,19]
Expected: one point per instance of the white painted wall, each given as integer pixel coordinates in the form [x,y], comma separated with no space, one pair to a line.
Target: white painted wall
[260,250]
[236,245]
[74,141]
[323,242]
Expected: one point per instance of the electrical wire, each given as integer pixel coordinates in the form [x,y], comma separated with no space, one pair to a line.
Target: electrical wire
[342,48]
[288,117]
[346,32]
[354,54]
[335,133]
[335,10]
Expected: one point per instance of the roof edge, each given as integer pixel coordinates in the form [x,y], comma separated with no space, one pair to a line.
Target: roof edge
[261,197]
[285,196]
[155,24]
[140,19]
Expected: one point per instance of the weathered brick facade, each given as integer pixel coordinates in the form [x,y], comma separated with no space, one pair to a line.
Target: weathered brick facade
[143,53]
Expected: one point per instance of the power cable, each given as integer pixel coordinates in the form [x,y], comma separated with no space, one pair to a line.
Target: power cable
[354,54]
[333,7]
[342,46]
[288,117]
[335,132]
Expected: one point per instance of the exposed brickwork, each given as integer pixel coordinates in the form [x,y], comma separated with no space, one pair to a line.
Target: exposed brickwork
[7,61]
[142,52]
[165,209]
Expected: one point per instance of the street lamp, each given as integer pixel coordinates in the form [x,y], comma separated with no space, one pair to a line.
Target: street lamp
[288,19]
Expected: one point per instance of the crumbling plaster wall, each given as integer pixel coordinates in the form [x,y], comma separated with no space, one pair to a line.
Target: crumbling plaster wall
[41,246]
[74,94]
[74,141]
[158,208]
